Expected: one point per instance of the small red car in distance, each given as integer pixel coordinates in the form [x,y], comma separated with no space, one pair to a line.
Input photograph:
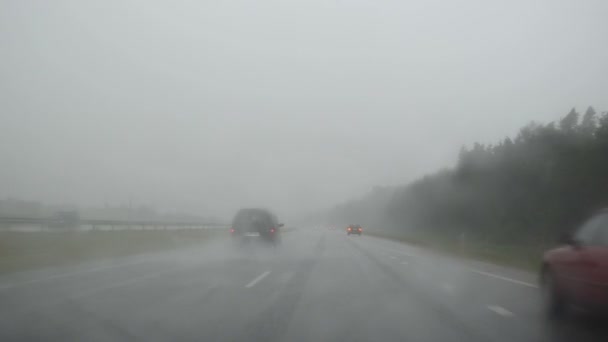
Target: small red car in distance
[576,273]
[354,229]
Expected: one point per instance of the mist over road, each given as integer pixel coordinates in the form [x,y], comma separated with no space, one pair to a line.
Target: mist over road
[318,285]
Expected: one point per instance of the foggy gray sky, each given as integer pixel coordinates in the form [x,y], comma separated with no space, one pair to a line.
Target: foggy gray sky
[207,106]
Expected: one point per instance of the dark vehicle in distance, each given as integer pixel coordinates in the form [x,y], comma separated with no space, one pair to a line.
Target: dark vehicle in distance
[354,229]
[576,273]
[253,223]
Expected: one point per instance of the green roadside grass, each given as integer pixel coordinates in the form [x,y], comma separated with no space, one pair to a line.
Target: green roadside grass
[525,257]
[21,251]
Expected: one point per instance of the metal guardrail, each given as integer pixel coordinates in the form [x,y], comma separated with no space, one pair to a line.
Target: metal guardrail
[93,223]
[24,220]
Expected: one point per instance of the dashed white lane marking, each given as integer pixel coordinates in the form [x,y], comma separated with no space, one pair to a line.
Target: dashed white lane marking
[500,310]
[257,279]
[393,257]
[404,263]
[514,281]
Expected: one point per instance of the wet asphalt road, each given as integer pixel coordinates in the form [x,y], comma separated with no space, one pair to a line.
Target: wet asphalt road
[317,286]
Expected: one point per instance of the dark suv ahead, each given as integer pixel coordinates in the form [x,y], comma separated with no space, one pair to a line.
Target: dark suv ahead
[576,273]
[254,223]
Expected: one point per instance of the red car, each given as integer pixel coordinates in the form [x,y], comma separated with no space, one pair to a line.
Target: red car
[354,229]
[576,274]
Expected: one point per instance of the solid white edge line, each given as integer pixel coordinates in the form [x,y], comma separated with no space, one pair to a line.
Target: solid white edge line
[131,281]
[500,311]
[7,286]
[257,279]
[492,275]
[514,281]
[399,252]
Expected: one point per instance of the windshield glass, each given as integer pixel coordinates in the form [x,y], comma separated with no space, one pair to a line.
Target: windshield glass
[303,170]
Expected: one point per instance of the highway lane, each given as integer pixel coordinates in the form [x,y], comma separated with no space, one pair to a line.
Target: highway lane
[316,286]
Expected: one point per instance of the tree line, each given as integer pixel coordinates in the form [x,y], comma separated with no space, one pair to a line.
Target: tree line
[526,189]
